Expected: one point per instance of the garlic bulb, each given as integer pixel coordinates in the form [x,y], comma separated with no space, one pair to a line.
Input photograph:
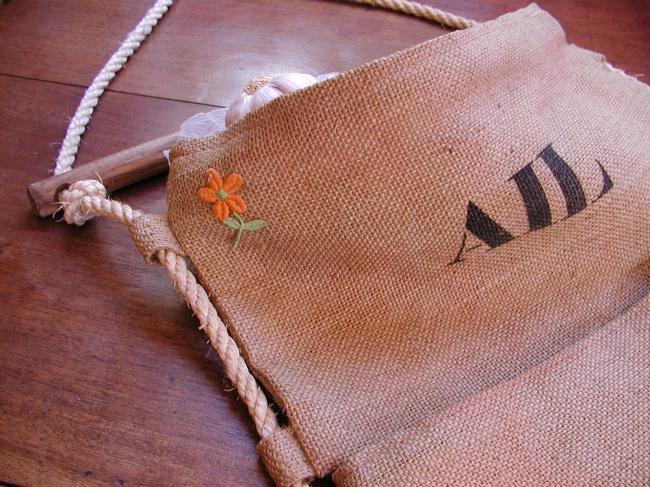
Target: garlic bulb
[260,91]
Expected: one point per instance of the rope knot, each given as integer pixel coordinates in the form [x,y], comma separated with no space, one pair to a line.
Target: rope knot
[71,199]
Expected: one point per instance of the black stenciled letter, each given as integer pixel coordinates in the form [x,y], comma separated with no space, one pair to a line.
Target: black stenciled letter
[537,207]
[607,181]
[484,228]
[569,184]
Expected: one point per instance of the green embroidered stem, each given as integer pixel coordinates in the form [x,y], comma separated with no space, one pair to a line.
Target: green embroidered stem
[240,226]
[240,231]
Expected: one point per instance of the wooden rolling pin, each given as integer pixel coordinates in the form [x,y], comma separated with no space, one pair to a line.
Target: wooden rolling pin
[115,171]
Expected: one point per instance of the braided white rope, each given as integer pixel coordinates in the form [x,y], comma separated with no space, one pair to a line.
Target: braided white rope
[81,118]
[423,11]
[228,351]
[86,199]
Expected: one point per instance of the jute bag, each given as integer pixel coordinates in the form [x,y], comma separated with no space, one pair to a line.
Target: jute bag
[440,266]
[451,288]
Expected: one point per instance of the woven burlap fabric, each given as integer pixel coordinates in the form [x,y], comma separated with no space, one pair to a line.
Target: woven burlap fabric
[380,294]
[582,418]
[151,233]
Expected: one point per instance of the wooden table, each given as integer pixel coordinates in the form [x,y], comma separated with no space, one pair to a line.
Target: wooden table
[104,377]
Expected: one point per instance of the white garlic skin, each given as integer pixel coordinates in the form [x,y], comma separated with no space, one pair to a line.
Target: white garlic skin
[278,86]
[289,82]
[237,109]
[262,96]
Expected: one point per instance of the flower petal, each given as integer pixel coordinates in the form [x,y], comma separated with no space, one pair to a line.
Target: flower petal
[207,195]
[236,203]
[214,179]
[220,210]
[233,182]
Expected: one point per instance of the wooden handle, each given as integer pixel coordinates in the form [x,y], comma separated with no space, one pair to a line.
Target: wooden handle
[115,171]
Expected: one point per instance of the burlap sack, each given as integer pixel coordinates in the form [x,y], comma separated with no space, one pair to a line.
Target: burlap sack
[451,286]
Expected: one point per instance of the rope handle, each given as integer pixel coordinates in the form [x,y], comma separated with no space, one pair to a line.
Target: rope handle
[86,199]
[422,11]
[81,118]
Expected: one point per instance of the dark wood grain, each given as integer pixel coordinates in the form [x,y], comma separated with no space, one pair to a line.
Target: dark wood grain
[104,377]
[103,369]
[206,51]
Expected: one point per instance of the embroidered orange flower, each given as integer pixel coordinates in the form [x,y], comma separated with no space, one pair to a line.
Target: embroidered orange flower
[222,193]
